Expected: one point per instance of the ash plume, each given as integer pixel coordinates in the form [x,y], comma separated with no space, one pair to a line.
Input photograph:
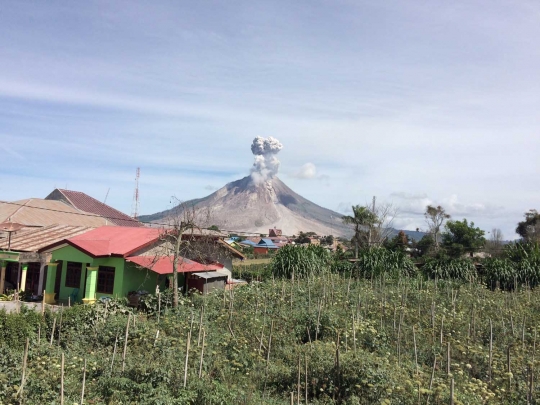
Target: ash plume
[266,163]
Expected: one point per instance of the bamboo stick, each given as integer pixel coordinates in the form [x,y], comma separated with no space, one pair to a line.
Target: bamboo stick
[306,379]
[490,362]
[60,323]
[187,358]
[452,391]
[125,344]
[52,331]
[202,353]
[25,363]
[62,380]
[114,352]
[83,383]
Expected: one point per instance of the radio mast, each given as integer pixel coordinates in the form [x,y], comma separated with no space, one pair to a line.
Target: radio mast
[135,206]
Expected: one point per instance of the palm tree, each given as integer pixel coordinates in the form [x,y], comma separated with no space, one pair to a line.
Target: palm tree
[362,218]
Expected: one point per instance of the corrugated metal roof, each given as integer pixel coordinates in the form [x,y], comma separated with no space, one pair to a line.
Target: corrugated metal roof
[163,265]
[36,212]
[209,275]
[35,239]
[115,240]
[86,203]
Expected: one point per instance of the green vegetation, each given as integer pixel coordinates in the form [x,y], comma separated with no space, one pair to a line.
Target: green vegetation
[379,341]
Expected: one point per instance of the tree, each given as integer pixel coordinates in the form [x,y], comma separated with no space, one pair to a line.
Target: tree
[461,237]
[213,228]
[381,230]
[362,220]
[425,245]
[327,240]
[529,229]
[435,217]
[495,243]
[179,242]
[400,242]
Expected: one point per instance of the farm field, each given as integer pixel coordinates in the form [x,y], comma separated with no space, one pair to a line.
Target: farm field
[328,340]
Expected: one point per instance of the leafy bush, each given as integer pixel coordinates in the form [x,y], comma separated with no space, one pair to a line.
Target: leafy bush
[450,269]
[500,273]
[377,261]
[300,262]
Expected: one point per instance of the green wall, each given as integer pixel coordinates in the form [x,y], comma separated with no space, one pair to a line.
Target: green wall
[71,254]
[128,277]
[136,278]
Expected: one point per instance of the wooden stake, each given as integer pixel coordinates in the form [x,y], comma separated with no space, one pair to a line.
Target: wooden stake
[125,344]
[114,352]
[187,358]
[452,391]
[298,384]
[202,354]
[83,382]
[43,304]
[415,351]
[52,332]
[25,362]
[158,306]
[306,379]
[432,376]
[200,327]
[62,381]
[490,349]
[60,323]
[448,358]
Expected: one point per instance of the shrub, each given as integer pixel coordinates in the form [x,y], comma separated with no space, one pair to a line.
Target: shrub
[450,269]
[297,261]
[377,261]
[500,273]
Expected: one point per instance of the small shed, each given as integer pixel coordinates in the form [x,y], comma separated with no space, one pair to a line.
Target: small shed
[207,281]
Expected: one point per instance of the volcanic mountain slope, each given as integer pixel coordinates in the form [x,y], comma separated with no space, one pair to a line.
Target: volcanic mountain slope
[244,205]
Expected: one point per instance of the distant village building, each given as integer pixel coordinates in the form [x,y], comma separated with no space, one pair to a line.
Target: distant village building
[274,233]
[264,246]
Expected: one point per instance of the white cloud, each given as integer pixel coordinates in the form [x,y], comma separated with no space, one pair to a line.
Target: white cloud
[307,171]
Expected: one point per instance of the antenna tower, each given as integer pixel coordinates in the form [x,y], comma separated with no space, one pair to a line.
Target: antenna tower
[135,206]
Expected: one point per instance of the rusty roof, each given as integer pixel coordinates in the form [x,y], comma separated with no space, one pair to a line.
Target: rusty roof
[37,212]
[89,204]
[34,239]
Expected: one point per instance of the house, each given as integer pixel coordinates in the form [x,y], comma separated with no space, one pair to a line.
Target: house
[112,261]
[27,226]
[37,212]
[264,246]
[83,202]
[275,233]
[22,265]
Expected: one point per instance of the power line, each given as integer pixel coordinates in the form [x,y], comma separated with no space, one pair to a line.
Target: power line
[126,219]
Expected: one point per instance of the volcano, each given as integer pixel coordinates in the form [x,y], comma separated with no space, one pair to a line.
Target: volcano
[248,206]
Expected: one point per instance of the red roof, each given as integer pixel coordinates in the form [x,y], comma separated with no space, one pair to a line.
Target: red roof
[115,240]
[163,265]
[89,204]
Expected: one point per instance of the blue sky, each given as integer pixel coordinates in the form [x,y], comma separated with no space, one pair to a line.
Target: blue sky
[415,102]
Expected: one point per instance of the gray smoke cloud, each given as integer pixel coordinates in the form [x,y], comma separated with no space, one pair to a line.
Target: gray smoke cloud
[266,163]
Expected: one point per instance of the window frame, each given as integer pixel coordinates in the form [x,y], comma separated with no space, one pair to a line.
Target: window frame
[70,271]
[106,272]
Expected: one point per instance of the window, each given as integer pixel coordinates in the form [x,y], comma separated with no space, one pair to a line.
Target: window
[73,274]
[105,280]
